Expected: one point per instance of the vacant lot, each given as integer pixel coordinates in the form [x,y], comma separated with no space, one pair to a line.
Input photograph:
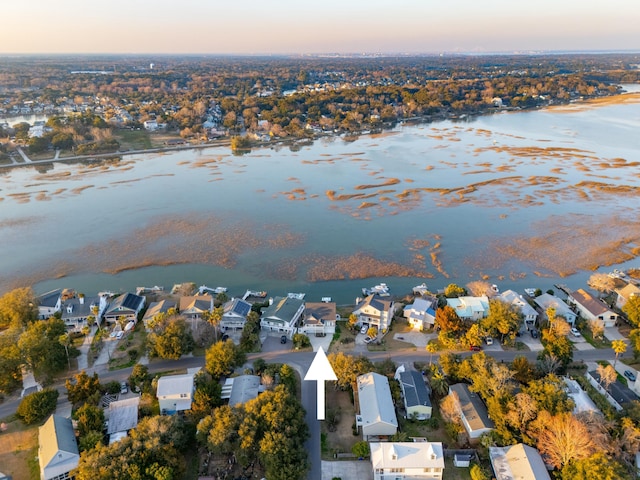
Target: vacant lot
[18,450]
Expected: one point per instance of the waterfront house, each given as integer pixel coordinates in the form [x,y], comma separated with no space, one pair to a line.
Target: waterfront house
[519,461]
[529,314]
[127,305]
[49,303]
[76,310]
[591,308]
[375,311]
[282,315]
[234,315]
[472,411]
[175,393]
[415,394]
[547,300]
[407,460]
[157,308]
[470,308]
[319,318]
[625,293]
[377,415]
[58,450]
[193,307]
[421,314]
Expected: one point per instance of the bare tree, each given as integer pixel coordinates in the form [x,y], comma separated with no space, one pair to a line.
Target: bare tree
[450,408]
[479,287]
[596,328]
[601,282]
[564,438]
[607,375]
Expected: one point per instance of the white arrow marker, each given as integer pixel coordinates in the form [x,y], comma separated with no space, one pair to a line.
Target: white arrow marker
[320,371]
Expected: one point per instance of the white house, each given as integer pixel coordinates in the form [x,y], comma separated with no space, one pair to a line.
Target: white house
[150,125]
[234,315]
[415,393]
[529,314]
[175,393]
[282,315]
[546,301]
[407,460]
[421,314]
[377,413]
[375,311]
[591,308]
[519,461]
[319,318]
[470,308]
[58,450]
[473,412]
[76,310]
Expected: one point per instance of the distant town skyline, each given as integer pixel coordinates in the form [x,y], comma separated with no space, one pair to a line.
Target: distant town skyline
[294,27]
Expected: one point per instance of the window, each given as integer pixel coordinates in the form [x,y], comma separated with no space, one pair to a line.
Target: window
[396,470]
[183,395]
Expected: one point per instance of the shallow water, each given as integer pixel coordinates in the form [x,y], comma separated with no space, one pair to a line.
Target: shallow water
[521,199]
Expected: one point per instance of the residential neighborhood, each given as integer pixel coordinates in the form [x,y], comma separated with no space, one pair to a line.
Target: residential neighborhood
[399,410]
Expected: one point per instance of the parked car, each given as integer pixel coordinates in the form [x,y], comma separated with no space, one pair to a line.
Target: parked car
[368,340]
[283,339]
[364,329]
[575,332]
[630,375]
[475,348]
[225,337]
[124,388]
[489,340]
[534,333]
[120,334]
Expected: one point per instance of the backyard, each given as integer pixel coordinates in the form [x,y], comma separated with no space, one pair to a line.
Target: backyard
[18,450]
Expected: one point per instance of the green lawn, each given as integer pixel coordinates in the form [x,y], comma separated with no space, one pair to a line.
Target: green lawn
[133,139]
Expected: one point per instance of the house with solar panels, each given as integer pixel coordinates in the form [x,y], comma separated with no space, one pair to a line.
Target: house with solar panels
[127,305]
[234,315]
[319,318]
[415,394]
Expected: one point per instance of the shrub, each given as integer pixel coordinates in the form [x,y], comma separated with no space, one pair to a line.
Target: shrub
[361,449]
[37,406]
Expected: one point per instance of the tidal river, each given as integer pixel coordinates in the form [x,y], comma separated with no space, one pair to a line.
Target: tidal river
[523,199]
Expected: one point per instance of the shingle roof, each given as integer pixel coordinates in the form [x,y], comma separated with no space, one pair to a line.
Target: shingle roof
[123,415]
[414,389]
[318,312]
[518,462]
[283,308]
[472,407]
[595,307]
[49,299]
[56,435]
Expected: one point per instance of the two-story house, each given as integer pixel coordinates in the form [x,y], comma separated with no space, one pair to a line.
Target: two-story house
[127,306]
[407,460]
[319,318]
[234,315]
[470,308]
[58,450]
[591,308]
[175,393]
[282,315]
[546,301]
[421,314]
[529,314]
[375,311]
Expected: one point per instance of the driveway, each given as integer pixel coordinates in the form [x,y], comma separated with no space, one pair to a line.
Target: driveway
[418,339]
[534,344]
[347,470]
[612,333]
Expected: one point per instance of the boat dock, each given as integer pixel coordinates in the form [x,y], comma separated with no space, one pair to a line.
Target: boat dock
[563,288]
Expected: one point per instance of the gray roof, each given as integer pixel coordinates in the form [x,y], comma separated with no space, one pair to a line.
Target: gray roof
[56,435]
[617,390]
[283,309]
[123,415]
[49,299]
[319,312]
[126,302]
[472,407]
[245,388]
[518,462]
[156,308]
[79,309]
[414,389]
[376,302]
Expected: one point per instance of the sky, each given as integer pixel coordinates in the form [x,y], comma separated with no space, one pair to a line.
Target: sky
[327,26]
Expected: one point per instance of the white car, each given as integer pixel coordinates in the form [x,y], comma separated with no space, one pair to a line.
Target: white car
[489,340]
[364,329]
[120,334]
[575,332]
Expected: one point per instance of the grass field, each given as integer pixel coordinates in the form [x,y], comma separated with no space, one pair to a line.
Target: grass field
[18,450]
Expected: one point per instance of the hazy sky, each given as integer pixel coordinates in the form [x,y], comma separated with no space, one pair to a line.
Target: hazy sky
[304,26]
